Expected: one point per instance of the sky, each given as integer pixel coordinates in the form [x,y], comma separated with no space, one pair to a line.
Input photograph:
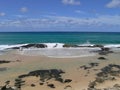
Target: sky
[60,15]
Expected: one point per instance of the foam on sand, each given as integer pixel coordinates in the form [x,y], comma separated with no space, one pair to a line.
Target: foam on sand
[60,52]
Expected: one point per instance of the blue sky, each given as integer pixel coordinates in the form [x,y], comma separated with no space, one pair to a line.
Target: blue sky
[60,15]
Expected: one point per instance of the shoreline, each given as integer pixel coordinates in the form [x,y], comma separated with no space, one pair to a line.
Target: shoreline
[22,64]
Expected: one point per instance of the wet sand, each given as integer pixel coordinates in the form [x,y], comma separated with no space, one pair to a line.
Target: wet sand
[80,77]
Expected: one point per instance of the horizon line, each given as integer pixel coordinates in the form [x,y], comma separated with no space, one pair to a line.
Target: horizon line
[59,31]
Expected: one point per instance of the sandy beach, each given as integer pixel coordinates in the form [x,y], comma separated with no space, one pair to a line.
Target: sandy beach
[74,69]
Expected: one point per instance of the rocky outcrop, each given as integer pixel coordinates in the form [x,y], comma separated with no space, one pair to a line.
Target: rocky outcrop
[51,85]
[109,72]
[4,61]
[102,58]
[19,83]
[69,45]
[45,74]
[89,66]
[105,51]
[34,45]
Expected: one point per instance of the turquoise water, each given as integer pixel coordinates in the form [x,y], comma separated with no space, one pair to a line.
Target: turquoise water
[59,37]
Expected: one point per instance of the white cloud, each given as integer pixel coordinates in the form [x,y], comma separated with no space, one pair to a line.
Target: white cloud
[71,2]
[79,11]
[24,9]
[2,14]
[63,22]
[113,4]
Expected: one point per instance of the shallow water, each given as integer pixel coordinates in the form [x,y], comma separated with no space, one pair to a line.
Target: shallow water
[61,52]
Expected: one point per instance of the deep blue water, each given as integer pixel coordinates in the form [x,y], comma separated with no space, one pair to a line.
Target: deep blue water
[59,37]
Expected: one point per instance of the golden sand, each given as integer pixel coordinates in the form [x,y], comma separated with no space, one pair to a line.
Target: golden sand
[22,64]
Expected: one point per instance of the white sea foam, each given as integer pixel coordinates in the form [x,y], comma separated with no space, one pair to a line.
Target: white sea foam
[86,44]
[54,45]
[60,52]
[112,45]
[57,50]
[3,47]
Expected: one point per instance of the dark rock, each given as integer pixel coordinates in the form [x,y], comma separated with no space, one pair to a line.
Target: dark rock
[45,74]
[34,45]
[92,84]
[5,88]
[98,46]
[23,76]
[7,82]
[102,58]
[68,45]
[19,83]
[93,64]
[32,85]
[51,85]
[4,61]
[40,46]
[105,51]
[15,48]
[28,45]
[108,73]
[59,79]
[85,67]
[99,80]
[41,83]
[67,81]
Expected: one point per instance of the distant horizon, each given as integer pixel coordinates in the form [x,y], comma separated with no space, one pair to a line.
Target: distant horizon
[58,31]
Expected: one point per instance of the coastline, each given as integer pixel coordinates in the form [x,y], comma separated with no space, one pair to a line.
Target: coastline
[22,64]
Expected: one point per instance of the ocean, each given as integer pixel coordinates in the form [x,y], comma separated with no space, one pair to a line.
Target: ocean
[11,38]
[51,39]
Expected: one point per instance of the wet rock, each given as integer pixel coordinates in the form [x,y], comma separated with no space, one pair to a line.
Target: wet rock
[98,45]
[35,45]
[15,48]
[68,45]
[105,51]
